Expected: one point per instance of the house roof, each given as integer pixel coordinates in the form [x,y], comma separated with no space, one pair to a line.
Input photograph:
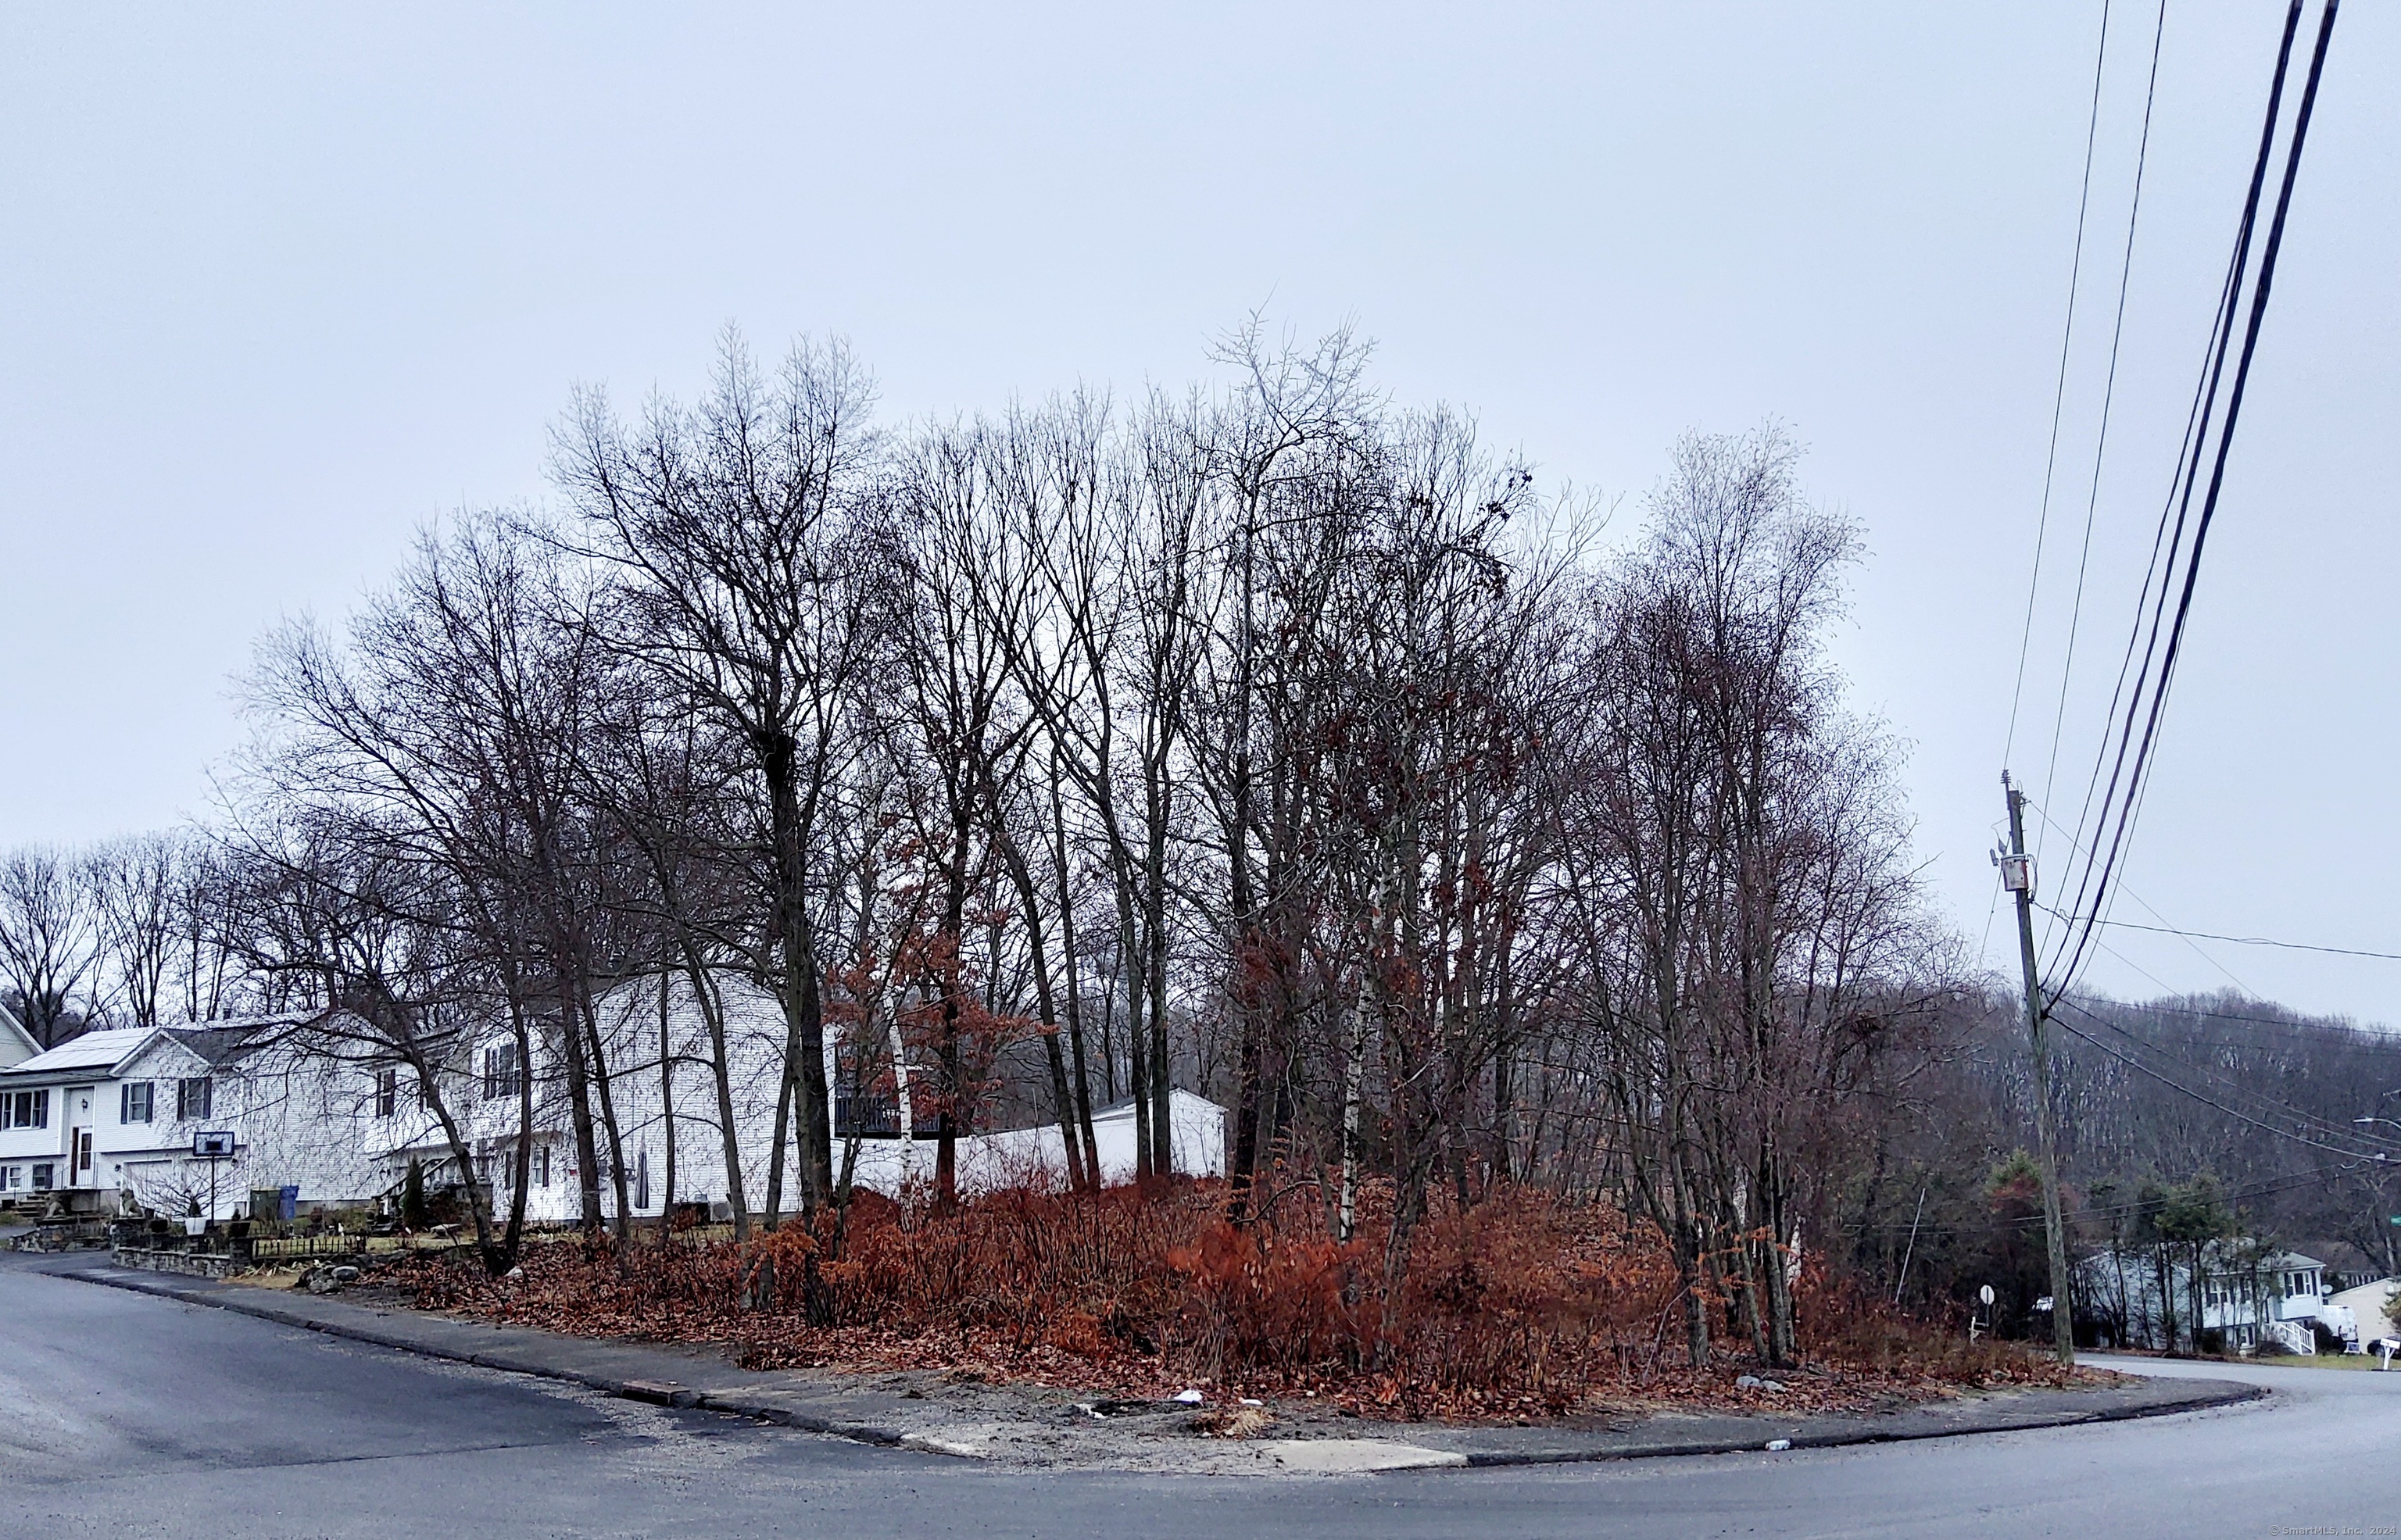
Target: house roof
[2366,1297]
[2289,1260]
[219,1040]
[1179,1100]
[105,1050]
[2343,1257]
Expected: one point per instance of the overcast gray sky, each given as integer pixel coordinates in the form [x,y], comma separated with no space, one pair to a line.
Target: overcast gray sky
[278,285]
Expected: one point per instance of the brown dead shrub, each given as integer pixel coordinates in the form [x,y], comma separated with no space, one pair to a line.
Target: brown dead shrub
[1520,1305]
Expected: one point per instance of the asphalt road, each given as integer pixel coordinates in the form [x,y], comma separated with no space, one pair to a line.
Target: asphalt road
[125,1415]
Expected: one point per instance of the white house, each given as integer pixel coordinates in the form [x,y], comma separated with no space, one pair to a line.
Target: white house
[329,1113]
[663,1092]
[2248,1294]
[117,1112]
[2364,1308]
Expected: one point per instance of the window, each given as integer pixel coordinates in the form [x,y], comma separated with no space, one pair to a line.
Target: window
[386,1092]
[501,1071]
[642,1179]
[11,1177]
[42,1176]
[194,1098]
[25,1110]
[134,1101]
[542,1166]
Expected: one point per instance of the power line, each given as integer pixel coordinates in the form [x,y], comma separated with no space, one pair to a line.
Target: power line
[2260,1098]
[2058,393]
[2195,428]
[2150,611]
[2151,908]
[2109,398]
[1984,947]
[2168,992]
[2234,1087]
[2352,1153]
[2369,1036]
[2262,289]
[2237,940]
[2257,1189]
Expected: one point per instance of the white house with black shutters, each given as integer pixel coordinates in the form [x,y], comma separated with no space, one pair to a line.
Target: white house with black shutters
[115,1112]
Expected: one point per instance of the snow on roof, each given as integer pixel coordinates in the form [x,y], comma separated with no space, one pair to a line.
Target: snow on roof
[1182,1102]
[2280,1261]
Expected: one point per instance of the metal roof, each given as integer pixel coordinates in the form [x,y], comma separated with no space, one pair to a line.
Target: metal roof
[213,1041]
[89,1051]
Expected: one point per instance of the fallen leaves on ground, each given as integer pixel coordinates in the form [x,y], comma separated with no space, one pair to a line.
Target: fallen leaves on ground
[1521,1308]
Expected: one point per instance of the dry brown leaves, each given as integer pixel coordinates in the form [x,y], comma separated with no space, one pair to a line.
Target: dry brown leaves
[1519,1309]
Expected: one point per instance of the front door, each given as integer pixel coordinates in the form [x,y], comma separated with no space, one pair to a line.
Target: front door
[78,1119]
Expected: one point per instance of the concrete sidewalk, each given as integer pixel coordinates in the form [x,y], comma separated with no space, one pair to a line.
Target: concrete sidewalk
[1031,1427]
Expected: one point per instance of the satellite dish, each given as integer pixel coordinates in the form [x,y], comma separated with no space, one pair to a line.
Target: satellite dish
[1985,1293]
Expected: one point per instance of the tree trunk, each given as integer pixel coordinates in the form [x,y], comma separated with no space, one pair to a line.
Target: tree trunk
[1062,1101]
[667,1112]
[589,1021]
[774,1214]
[579,1103]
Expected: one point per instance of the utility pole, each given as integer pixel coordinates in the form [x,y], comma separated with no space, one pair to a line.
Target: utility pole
[2017,874]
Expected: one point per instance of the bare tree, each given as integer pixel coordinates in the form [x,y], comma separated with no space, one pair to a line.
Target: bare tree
[663,785]
[1269,741]
[725,527]
[447,733]
[370,937]
[138,886]
[51,932]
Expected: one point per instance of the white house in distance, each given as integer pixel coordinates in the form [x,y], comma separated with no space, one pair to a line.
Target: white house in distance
[116,1111]
[2368,1307]
[665,1092]
[2254,1297]
[320,1112]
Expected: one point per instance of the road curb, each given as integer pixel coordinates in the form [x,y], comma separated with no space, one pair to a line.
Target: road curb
[654,1392]
[2220,1393]
[2201,1396]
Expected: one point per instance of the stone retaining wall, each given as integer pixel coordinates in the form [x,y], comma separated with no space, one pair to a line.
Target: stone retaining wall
[198,1265]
